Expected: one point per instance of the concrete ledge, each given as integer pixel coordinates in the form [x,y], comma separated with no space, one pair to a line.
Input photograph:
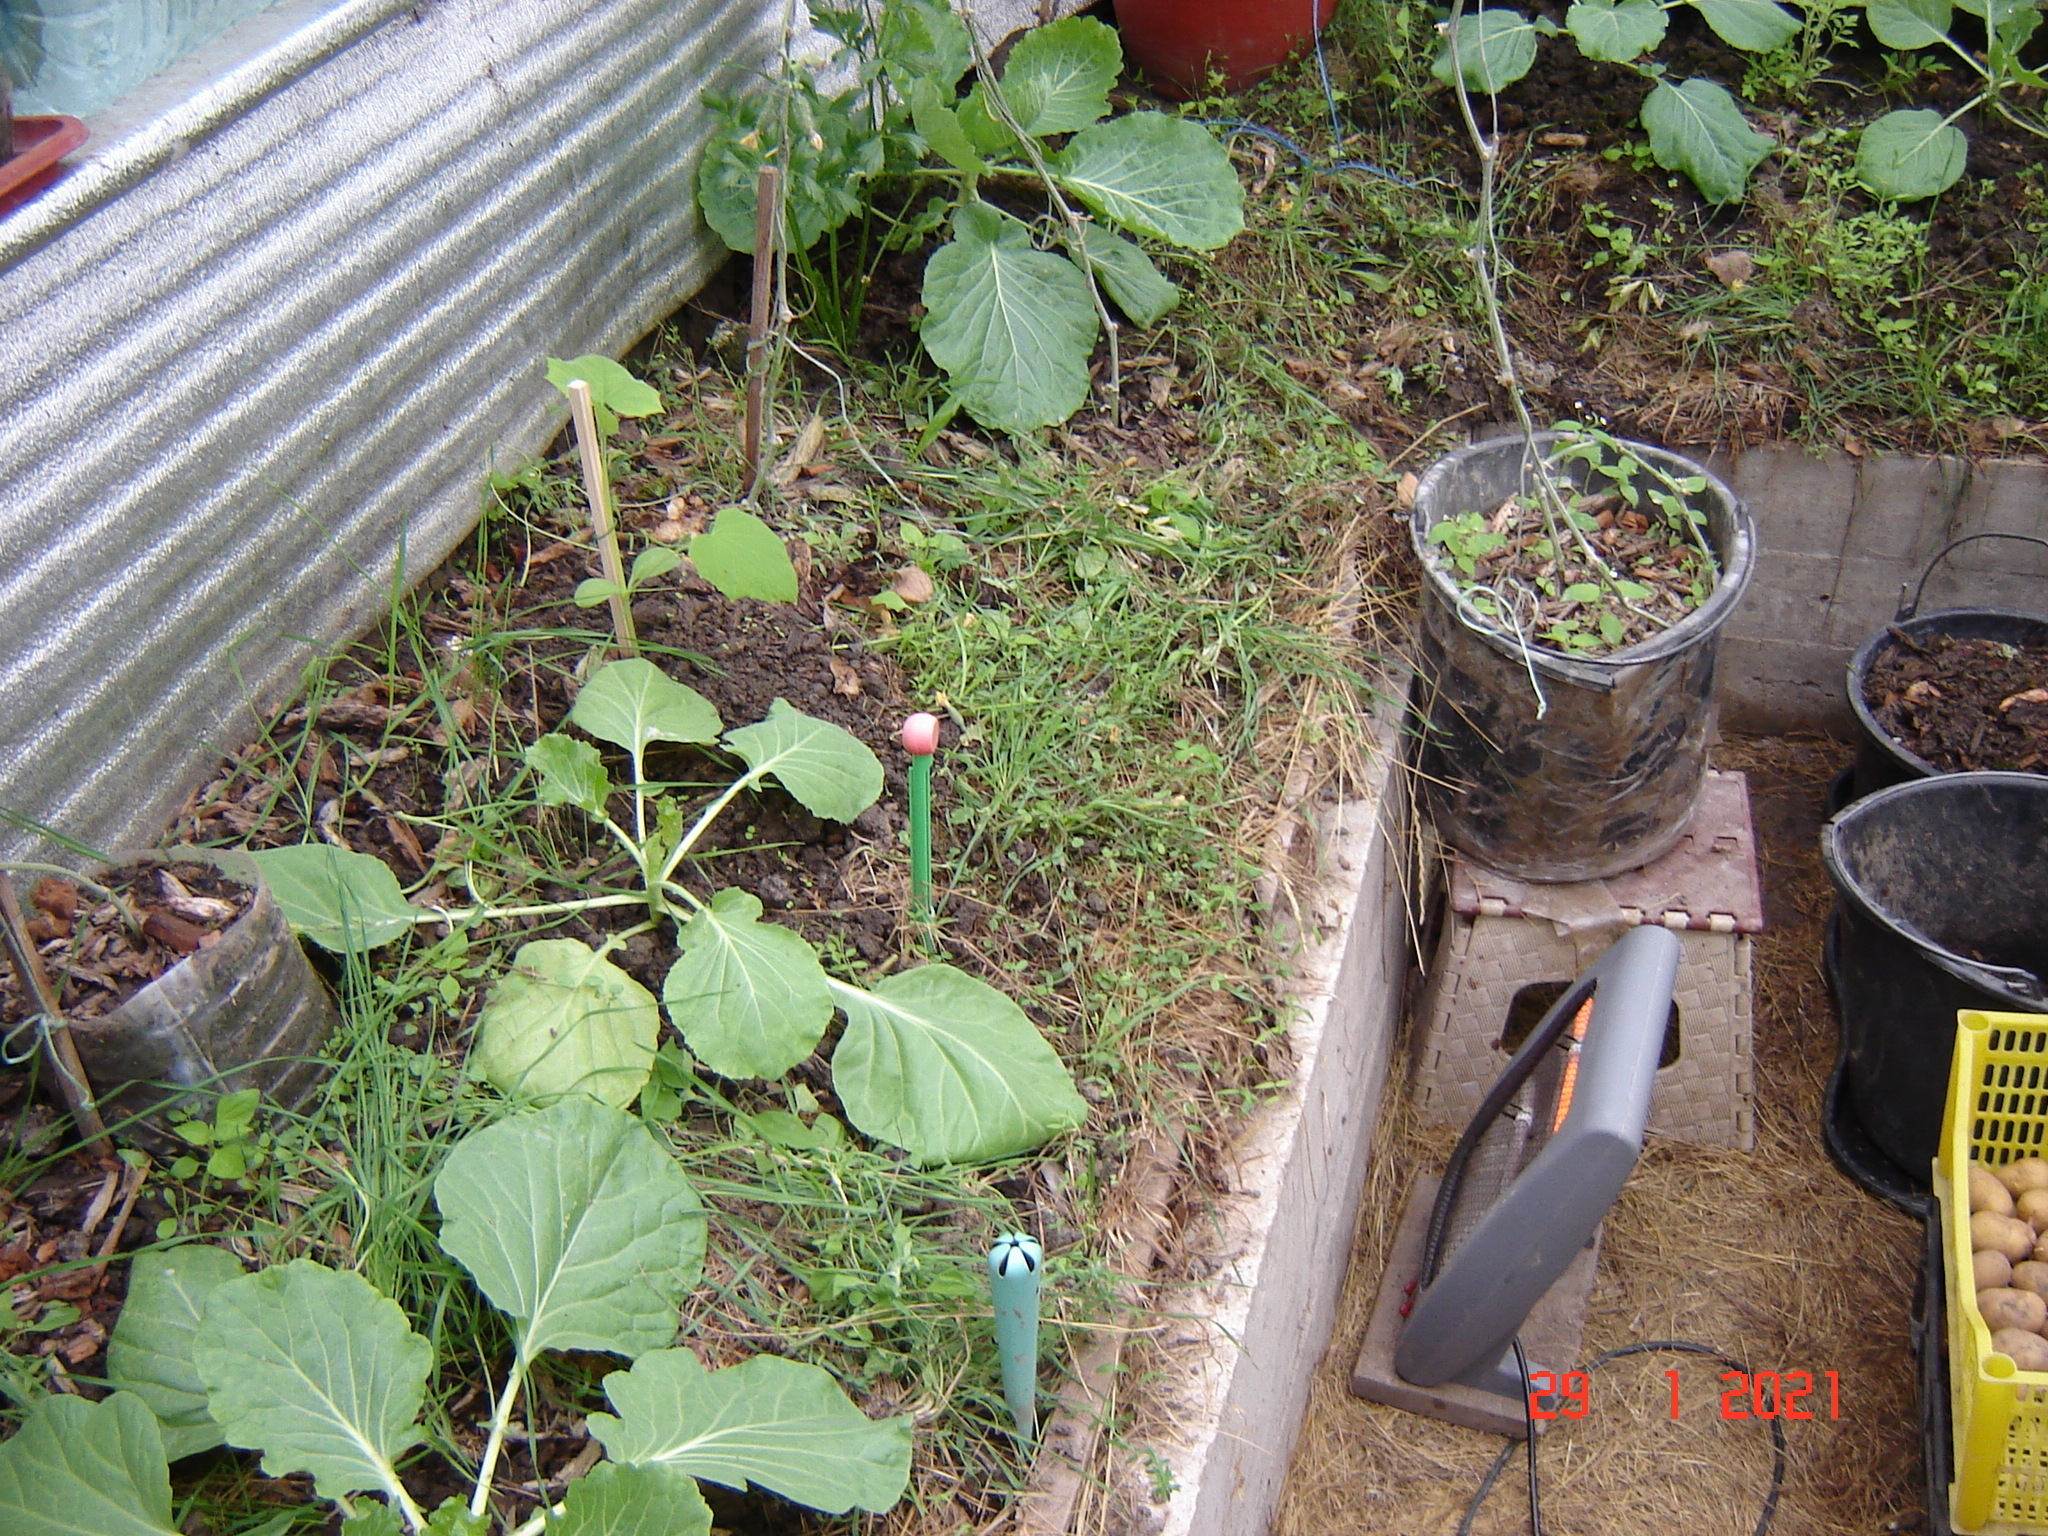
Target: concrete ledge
[1231,1369]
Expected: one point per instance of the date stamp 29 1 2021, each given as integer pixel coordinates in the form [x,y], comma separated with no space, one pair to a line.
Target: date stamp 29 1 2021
[1752,1395]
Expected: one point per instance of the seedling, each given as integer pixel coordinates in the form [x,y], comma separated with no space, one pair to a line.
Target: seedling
[573,1222]
[1013,308]
[931,1060]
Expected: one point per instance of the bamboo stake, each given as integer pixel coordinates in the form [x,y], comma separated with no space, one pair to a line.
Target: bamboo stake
[590,449]
[767,192]
[56,1034]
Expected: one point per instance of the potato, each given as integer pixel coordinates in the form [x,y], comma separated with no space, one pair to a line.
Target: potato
[2028,1351]
[2041,1251]
[1987,1193]
[2030,1276]
[2004,1307]
[2033,1207]
[2023,1174]
[1994,1269]
[2001,1234]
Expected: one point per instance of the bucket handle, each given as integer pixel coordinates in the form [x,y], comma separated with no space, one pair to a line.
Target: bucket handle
[1908,608]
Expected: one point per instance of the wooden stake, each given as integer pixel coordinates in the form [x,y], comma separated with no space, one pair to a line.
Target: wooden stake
[590,450]
[56,1034]
[767,189]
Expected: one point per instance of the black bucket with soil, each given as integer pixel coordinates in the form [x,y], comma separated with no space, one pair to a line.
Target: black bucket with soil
[1942,904]
[1944,692]
[1603,775]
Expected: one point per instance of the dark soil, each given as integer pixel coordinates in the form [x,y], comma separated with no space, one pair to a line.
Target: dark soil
[1963,705]
[1539,581]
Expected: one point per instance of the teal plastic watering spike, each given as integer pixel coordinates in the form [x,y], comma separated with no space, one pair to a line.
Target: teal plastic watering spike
[1014,1266]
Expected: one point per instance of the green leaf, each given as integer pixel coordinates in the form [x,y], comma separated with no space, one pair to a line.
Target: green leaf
[373,1519]
[315,1369]
[989,134]
[633,702]
[594,590]
[1582,592]
[741,556]
[1058,77]
[343,901]
[770,1421]
[1907,155]
[452,1518]
[632,1501]
[948,1068]
[780,1128]
[229,1162]
[1011,325]
[565,1020]
[827,769]
[1908,23]
[1139,289]
[923,39]
[833,152]
[1697,128]
[1755,26]
[1616,33]
[940,127]
[748,997]
[571,772]
[655,561]
[1493,50]
[576,1222]
[613,391]
[1162,176]
[77,1468]
[1611,628]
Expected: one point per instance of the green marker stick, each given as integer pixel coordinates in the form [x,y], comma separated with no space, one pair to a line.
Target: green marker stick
[1014,1264]
[921,740]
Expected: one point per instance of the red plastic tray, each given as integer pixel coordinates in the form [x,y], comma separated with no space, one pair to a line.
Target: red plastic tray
[39,143]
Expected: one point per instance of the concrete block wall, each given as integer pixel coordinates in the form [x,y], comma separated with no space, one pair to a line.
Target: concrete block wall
[1839,536]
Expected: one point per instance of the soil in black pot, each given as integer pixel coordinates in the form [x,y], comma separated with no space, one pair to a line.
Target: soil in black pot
[1963,705]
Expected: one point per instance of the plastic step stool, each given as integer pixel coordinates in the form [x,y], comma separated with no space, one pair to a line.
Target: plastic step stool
[1503,937]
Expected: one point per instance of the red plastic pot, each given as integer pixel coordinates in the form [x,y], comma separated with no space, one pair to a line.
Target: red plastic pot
[1178,42]
[39,143]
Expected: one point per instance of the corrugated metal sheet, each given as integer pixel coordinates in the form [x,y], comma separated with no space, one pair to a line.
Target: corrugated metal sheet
[254,359]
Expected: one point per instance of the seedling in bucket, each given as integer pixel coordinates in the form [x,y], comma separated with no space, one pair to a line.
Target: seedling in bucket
[1014,1265]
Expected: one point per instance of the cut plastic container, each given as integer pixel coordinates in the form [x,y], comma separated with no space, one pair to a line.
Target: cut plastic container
[1604,779]
[1997,1111]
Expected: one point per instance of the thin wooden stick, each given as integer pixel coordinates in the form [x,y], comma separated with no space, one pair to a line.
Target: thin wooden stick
[590,449]
[767,192]
[56,1034]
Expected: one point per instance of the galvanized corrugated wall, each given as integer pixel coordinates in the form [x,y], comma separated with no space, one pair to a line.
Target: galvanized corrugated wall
[254,359]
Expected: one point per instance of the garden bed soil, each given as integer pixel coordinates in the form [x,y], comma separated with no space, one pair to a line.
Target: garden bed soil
[1963,705]
[1631,300]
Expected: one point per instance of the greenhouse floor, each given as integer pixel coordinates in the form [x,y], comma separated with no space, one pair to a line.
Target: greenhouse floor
[1771,1257]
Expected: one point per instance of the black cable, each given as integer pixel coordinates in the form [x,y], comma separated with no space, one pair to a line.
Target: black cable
[1651,1346]
[1529,1436]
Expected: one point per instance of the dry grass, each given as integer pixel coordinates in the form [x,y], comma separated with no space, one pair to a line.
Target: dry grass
[1772,1257]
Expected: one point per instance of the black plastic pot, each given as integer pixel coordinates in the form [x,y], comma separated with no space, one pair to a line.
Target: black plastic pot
[1881,759]
[1942,901]
[1603,777]
[247,1012]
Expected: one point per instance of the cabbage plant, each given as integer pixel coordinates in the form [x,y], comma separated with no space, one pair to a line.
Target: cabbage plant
[577,1225]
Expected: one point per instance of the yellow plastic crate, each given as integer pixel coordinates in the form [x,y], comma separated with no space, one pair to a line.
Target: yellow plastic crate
[1997,1111]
